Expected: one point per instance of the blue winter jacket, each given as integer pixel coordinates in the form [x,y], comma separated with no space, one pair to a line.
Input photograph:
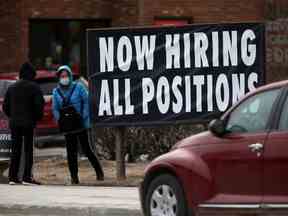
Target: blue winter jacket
[79,100]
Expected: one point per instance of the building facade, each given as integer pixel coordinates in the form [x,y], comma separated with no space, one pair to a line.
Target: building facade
[50,32]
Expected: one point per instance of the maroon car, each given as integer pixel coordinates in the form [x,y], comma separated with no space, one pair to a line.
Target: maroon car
[242,161]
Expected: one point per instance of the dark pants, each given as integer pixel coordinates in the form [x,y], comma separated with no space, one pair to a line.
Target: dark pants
[18,135]
[72,153]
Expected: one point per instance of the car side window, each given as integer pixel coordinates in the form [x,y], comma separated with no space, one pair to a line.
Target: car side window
[47,87]
[283,123]
[4,84]
[252,115]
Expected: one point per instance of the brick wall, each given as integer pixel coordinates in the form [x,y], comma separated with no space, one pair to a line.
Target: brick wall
[53,9]
[205,11]
[15,15]
[8,34]
[125,12]
[277,50]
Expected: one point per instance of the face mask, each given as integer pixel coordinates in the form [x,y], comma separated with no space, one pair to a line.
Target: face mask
[64,81]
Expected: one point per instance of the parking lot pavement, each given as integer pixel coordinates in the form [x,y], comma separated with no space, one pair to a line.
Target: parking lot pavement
[50,152]
[68,200]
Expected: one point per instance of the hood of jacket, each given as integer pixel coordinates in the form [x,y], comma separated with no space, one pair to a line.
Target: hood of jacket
[69,72]
[27,71]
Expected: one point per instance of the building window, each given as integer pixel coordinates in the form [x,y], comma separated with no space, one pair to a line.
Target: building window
[54,42]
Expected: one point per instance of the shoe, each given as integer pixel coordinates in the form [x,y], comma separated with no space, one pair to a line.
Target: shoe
[14,182]
[100,178]
[30,182]
[75,181]
[82,158]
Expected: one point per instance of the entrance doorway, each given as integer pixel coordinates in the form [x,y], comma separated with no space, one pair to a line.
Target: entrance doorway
[53,42]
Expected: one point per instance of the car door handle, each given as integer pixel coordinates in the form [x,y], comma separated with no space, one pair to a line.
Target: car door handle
[256,147]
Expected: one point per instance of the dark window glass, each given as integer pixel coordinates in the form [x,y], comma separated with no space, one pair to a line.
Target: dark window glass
[47,87]
[252,115]
[54,42]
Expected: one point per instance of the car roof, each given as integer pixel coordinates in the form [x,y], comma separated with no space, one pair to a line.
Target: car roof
[273,85]
[10,76]
[41,74]
[269,86]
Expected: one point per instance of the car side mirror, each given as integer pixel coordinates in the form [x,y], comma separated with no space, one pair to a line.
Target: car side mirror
[217,127]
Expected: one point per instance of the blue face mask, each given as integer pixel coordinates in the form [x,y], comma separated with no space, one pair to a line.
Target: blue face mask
[64,81]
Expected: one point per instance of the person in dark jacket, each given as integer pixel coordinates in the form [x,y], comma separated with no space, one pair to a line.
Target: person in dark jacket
[78,96]
[23,104]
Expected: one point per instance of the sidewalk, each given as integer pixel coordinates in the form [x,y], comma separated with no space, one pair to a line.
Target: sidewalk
[68,200]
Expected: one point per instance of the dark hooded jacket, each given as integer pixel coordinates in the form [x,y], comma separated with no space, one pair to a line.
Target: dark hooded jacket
[24,102]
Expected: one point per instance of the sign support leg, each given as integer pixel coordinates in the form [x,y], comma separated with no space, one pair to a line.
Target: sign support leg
[120,161]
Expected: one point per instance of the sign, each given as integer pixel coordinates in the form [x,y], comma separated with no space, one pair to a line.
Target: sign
[164,75]
[5,137]
[5,144]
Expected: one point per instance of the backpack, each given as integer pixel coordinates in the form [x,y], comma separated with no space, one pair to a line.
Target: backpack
[70,120]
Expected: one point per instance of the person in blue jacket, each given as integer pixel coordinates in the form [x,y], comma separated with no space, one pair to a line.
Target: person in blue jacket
[79,100]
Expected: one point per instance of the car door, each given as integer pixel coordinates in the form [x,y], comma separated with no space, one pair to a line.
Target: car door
[276,159]
[237,160]
[47,126]
[5,137]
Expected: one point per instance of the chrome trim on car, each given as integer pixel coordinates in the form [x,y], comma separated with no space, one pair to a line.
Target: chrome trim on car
[274,206]
[250,206]
[239,206]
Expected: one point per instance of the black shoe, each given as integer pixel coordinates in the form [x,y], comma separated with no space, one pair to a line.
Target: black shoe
[14,182]
[75,181]
[100,177]
[30,181]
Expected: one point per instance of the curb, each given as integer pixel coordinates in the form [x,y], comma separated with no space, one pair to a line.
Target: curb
[17,210]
